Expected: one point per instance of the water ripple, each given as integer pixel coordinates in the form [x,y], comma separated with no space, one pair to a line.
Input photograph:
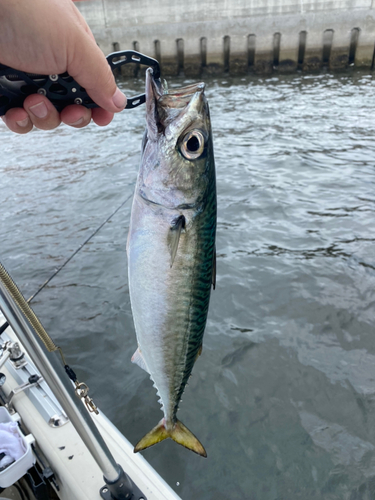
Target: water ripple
[283,394]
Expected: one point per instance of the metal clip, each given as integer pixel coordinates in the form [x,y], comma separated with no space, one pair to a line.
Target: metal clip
[17,357]
[82,391]
[33,381]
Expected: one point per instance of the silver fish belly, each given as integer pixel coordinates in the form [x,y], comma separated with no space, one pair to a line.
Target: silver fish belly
[171,247]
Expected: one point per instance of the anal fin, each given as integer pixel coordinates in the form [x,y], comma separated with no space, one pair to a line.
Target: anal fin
[138,359]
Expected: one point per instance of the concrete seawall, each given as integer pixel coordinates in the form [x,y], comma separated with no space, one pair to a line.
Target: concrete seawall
[237,36]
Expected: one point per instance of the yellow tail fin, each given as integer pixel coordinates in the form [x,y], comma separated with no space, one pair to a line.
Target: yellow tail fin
[178,433]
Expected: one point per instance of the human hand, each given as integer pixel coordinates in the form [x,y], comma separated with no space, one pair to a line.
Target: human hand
[50,37]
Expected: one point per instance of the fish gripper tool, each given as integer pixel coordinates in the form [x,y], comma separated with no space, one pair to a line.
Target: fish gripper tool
[62,90]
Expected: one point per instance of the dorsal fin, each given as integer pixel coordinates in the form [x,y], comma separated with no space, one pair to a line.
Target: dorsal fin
[178,224]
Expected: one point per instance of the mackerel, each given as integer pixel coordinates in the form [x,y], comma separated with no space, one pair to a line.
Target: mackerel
[171,247]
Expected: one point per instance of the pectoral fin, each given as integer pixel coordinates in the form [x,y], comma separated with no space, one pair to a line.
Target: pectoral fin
[138,359]
[174,234]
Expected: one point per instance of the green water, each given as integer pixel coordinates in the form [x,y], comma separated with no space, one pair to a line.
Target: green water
[283,396]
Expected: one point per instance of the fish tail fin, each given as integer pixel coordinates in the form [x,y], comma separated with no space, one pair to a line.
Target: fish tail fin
[157,434]
[178,432]
[181,434]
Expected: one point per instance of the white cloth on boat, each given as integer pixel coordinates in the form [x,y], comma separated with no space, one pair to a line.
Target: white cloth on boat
[5,461]
[11,443]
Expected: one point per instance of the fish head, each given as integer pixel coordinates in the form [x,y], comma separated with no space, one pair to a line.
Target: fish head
[177,157]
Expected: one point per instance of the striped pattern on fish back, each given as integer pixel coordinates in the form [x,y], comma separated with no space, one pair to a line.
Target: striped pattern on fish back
[203,268]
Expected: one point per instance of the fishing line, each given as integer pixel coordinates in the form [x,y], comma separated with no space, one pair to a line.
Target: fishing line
[24,304]
[81,389]
[78,249]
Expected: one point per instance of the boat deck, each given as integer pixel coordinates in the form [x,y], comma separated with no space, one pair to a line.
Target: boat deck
[77,474]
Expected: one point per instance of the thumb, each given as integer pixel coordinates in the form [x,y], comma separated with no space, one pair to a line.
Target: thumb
[90,69]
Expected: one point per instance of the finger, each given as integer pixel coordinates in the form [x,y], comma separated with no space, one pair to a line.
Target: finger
[42,112]
[101,117]
[90,69]
[17,120]
[76,116]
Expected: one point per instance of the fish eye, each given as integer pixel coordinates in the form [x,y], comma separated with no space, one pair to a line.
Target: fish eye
[192,145]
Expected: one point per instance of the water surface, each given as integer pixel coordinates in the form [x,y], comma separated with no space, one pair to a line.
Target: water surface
[283,396]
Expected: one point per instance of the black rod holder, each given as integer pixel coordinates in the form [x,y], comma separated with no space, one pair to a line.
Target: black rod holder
[122,488]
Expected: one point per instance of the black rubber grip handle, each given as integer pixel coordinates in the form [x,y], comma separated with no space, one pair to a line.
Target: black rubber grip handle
[63,90]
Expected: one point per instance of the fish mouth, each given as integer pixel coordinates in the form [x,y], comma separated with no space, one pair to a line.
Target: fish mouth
[163,105]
